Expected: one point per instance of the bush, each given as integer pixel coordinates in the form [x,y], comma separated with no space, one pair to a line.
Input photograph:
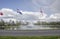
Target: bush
[6,25]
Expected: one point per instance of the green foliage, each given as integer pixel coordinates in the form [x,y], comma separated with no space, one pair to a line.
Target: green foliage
[50,24]
[6,25]
[54,23]
[2,23]
[47,23]
[29,37]
[41,23]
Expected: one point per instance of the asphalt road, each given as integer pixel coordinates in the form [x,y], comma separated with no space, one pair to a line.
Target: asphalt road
[30,33]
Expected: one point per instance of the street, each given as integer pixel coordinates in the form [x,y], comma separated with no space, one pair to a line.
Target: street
[30,32]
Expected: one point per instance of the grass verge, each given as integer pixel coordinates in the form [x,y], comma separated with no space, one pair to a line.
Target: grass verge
[29,37]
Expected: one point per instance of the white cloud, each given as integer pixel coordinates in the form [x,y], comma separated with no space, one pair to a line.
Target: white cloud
[53,5]
[8,12]
[55,16]
[26,15]
[32,15]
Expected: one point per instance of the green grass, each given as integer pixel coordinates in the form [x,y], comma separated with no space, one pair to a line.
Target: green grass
[29,37]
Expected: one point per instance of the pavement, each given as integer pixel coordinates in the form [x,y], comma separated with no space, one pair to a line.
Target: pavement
[53,32]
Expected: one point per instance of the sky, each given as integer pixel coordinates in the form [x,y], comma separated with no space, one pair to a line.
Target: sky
[28,5]
[49,7]
[14,4]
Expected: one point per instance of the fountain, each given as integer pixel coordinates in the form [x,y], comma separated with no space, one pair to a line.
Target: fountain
[30,25]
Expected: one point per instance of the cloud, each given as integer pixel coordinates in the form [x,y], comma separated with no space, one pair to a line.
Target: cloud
[55,16]
[26,15]
[32,15]
[55,7]
[43,2]
[8,12]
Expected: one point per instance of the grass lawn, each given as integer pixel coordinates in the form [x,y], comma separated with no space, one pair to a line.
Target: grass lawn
[29,37]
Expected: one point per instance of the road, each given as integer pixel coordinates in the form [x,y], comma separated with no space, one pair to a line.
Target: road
[30,32]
